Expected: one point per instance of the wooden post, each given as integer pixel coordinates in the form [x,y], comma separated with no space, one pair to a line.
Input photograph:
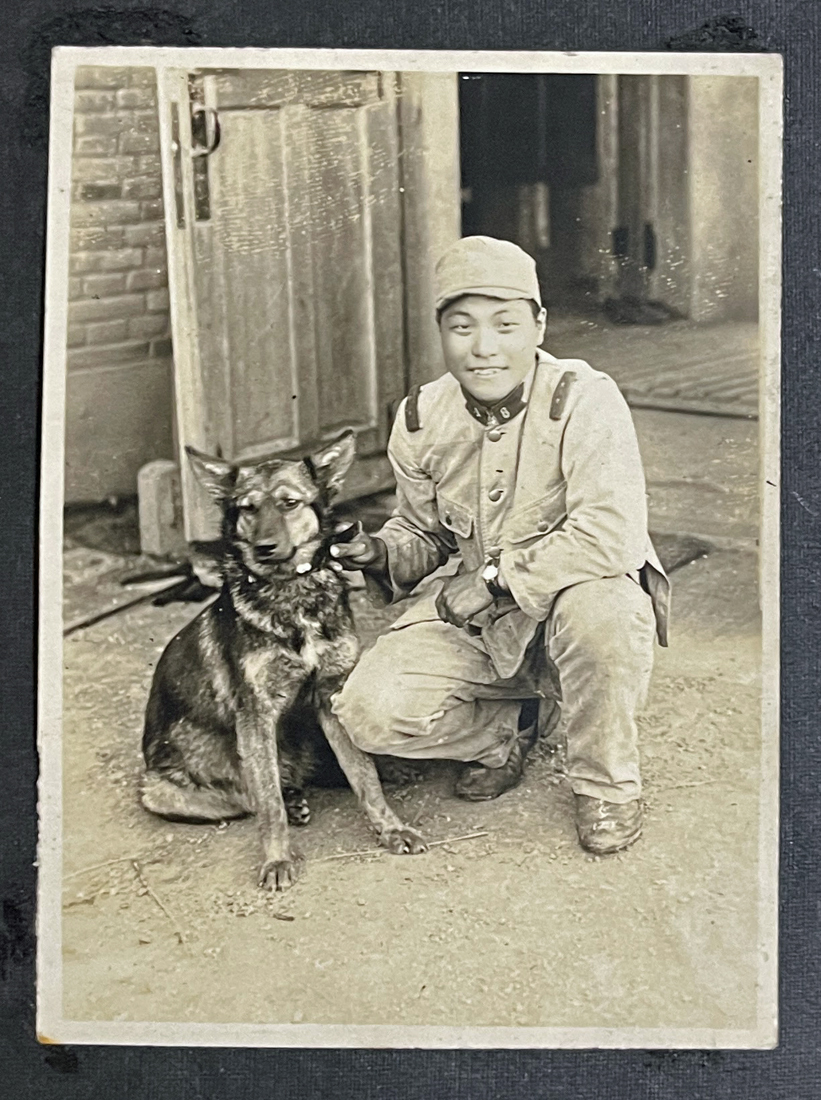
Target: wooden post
[722,132]
[430,178]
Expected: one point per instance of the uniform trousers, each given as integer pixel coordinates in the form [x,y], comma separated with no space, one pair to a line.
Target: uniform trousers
[429,690]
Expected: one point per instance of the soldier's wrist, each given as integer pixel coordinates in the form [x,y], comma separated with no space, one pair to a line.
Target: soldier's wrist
[377,566]
[491,574]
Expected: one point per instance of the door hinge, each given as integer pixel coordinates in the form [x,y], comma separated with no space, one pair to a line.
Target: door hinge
[205,138]
[650,246]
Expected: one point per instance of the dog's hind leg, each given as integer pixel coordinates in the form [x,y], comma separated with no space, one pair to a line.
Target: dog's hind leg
[394,772]
[197,805]
[296,806]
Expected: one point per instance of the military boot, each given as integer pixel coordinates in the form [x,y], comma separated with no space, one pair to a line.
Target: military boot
[606,827]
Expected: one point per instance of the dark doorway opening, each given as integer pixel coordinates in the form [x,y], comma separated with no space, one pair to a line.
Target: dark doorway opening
[528,149]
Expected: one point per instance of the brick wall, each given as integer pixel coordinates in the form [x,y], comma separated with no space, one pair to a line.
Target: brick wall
[118,405]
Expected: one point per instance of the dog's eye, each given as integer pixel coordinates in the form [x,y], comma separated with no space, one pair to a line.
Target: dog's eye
[289,504]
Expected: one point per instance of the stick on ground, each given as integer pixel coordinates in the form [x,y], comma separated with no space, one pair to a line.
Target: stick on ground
[381,851]
[179,932]
[98,866]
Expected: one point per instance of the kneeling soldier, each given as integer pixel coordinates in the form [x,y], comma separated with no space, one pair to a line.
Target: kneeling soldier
[526,467]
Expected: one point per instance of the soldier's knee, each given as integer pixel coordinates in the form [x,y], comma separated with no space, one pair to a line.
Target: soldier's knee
[380,709]
[363,705]
[609,620]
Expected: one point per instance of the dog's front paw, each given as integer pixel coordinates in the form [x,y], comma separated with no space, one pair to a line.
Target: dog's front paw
[279,874]
[403,841]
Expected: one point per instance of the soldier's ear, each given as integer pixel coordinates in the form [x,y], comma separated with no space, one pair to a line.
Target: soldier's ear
[214,474]
[332,463]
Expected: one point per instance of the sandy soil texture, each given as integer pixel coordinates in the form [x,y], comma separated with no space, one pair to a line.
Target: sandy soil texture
[508,922]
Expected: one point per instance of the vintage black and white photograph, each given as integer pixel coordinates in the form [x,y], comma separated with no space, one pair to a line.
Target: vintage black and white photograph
[409,550]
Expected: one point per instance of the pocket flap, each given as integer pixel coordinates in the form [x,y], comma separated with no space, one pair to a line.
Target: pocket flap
[422,610]
[455,517]
[538,518]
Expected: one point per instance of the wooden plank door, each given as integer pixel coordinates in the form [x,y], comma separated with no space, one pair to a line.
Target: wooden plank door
[283,217]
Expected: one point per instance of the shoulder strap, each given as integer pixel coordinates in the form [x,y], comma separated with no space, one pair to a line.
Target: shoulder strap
[561,393]
[412,422]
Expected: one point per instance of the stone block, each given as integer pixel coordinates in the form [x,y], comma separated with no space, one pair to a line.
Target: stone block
[149,165]
[151,234]
[146,280]
[105,355]
[135,98]
[108,309]
[109,282]
[109,212]
[135,141]
[142,187]
[94,192]
[96,236]
[101,76]
[159,495]
[119,259]
[102,125]
[94,100]
[152,210]
[142,78]
[99,170]
[156,257]
[95,145]
[108,332]
[153,324]
[157,301]
[162,348]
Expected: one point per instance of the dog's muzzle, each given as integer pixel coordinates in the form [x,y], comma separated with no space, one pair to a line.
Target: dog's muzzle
[271,554]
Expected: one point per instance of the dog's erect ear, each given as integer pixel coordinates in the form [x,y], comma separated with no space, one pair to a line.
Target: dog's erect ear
[332,463]
[214,474]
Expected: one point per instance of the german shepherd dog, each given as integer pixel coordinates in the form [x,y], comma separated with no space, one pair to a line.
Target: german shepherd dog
[227,731]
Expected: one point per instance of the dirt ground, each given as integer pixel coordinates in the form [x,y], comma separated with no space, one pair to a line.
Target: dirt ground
[507,921]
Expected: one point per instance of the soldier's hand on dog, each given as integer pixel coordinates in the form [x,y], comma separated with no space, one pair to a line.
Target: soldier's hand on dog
[356,549]
[462,597]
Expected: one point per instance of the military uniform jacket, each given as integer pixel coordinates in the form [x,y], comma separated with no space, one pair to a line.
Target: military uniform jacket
[558,495]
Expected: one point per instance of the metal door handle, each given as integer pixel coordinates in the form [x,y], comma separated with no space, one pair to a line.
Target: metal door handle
[199,126]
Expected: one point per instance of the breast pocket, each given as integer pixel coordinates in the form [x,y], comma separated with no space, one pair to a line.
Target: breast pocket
[455,517]
[539,518]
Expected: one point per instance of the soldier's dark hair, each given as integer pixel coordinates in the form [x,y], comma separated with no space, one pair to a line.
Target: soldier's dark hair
[534,305]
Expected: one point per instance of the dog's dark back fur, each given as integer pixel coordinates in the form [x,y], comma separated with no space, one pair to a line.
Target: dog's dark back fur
[263,598]
[231,720]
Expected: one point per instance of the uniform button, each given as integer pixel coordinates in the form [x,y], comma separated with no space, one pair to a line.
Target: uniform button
[543,526]
[494,551]
[447,518]
[495,494]
[494,435]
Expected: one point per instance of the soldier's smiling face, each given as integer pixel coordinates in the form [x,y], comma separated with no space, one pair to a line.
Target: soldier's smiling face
[490,344]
